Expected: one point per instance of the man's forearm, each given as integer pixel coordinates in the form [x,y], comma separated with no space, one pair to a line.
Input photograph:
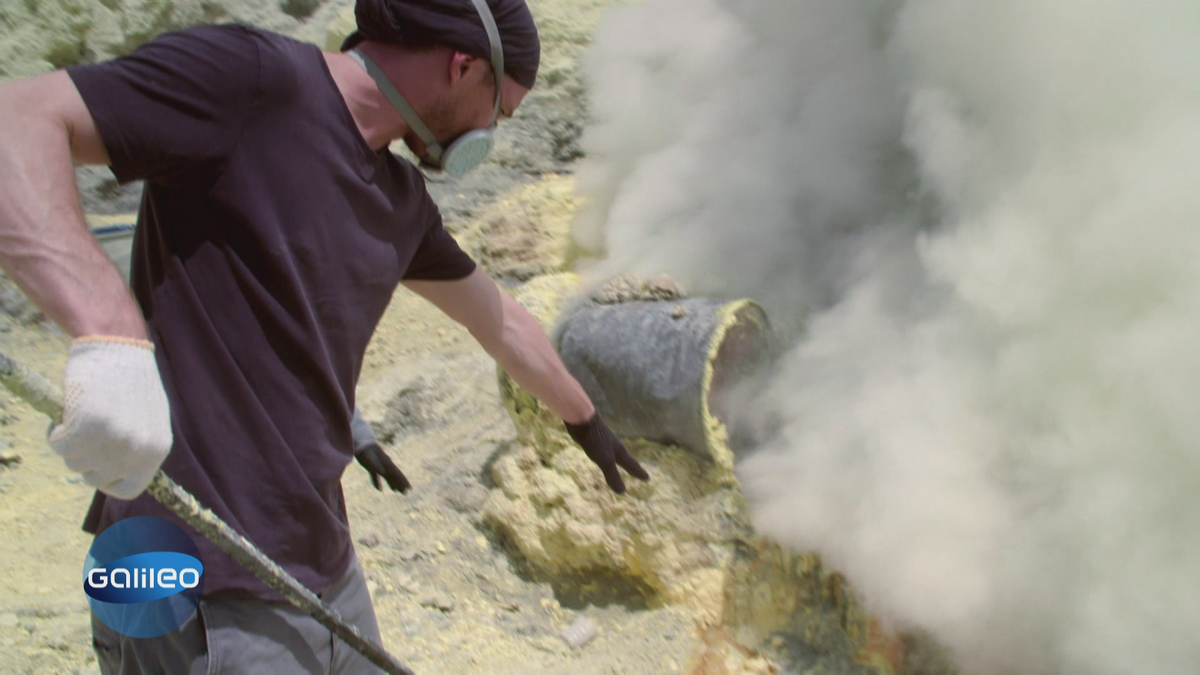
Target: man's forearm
[45,245]
[512,337]
[527,356]
[520,346]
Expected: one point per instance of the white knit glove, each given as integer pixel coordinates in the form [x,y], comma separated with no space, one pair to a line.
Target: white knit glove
[116,423]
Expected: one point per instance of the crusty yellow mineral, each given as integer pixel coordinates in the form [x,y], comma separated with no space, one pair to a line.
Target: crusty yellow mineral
[684,536]
[670,535]
[527,234]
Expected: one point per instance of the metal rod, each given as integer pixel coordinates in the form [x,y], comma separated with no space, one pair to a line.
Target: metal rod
[38,392]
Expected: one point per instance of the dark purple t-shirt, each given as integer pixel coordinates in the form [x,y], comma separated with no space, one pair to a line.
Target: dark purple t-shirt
[270,241]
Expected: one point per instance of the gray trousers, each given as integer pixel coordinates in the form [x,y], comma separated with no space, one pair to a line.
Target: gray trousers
[248,636]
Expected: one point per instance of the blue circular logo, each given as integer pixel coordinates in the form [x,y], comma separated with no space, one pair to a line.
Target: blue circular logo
[143,577]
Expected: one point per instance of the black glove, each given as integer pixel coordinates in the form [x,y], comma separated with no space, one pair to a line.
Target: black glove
[377,463]
[603,448]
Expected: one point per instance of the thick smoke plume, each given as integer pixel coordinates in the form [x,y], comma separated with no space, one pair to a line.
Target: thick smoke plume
[985,216]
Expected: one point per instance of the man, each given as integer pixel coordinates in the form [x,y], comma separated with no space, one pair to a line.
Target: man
[274,227]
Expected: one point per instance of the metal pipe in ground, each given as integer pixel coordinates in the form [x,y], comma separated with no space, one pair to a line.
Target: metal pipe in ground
[659,369]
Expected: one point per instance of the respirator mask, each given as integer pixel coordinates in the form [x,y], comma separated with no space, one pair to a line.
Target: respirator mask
[468,150]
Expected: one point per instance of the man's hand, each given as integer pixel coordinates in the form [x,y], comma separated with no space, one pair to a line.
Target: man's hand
[514,338]
[377,463]
[116,423]
[602,447]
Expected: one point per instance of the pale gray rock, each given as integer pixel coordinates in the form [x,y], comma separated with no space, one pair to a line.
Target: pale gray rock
[580,632]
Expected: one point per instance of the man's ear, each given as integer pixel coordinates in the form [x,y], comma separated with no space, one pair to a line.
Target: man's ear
[460,65]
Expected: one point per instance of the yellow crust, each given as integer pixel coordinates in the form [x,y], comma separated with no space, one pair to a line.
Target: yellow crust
[716,435]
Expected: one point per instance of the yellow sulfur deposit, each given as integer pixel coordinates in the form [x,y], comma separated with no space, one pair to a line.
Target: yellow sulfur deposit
[736,318]
[525,234]
[683,538]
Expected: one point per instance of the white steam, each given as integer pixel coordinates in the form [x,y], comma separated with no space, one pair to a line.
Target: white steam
[989,213]
[741,147]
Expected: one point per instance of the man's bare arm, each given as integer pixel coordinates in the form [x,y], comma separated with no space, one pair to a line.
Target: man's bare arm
[521,347]
[45,245]
[116,427]
[511,336]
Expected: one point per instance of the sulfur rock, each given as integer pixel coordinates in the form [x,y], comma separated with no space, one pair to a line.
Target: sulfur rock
[684,537]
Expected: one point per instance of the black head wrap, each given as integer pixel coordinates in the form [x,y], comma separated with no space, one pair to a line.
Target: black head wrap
[455,24]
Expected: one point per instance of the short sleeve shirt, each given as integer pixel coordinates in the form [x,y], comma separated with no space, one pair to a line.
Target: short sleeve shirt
[270,240]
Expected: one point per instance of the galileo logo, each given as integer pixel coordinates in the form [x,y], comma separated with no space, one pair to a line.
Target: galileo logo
[143,577]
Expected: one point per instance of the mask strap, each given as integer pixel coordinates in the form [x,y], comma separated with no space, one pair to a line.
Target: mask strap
[398,102]
[493,33]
